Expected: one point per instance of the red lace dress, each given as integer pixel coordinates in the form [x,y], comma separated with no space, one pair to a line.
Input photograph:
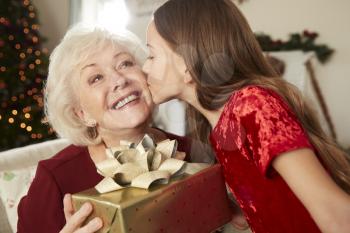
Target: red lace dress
[255,126]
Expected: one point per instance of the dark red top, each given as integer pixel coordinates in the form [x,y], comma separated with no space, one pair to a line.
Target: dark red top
[70,171]
[255,126]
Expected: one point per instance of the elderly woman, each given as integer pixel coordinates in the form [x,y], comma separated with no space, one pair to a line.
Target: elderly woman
[96,95]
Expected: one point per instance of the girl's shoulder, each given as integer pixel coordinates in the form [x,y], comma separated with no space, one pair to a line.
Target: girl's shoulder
[253,98]
[254,91]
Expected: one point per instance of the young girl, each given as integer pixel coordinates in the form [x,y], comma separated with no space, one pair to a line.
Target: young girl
[286,174]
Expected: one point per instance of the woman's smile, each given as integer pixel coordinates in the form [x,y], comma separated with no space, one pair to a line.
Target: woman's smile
[127,101]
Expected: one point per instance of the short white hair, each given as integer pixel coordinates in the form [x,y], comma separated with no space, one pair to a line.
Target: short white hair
[79,44]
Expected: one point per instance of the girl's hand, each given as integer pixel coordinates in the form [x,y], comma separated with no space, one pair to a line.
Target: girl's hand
[74,221]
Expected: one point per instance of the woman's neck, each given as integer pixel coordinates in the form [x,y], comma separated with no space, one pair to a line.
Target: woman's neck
[113,138]
[189,96]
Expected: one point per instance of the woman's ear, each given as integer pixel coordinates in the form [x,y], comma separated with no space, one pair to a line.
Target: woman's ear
[84,117]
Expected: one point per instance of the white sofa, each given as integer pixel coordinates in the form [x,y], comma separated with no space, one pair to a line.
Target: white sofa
[17,169]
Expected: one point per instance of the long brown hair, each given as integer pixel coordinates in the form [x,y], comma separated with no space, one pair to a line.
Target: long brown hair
[222,55]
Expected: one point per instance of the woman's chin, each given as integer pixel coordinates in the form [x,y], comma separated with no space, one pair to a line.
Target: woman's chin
[127,125]
[136,121]
[133,119]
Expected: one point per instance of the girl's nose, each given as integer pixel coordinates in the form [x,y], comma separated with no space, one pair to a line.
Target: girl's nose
[145,67]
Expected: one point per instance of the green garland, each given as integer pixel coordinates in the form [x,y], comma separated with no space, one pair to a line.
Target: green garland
[297,41]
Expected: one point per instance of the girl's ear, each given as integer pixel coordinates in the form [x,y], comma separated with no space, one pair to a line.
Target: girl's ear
[188,78]
[182,68]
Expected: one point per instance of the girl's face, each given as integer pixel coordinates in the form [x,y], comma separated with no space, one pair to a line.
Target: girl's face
[165,69]
[112,90]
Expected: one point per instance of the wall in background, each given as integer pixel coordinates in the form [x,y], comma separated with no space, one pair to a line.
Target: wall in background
[53,19]
[277,18]
[331,20]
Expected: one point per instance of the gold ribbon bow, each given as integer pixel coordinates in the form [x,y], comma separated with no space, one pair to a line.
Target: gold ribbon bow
[140,165]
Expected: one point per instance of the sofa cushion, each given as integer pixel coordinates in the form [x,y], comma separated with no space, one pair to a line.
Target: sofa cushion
[13,186]
[27,156]
[4,223]
[17,170]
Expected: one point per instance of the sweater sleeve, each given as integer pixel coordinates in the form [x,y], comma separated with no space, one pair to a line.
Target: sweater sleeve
[41,210]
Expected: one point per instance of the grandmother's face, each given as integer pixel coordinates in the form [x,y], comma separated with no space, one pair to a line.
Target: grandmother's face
[113,91]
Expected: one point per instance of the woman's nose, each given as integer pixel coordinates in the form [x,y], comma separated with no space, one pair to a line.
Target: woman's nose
[119,82]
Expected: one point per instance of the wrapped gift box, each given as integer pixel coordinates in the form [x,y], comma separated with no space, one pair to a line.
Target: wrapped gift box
[189,203]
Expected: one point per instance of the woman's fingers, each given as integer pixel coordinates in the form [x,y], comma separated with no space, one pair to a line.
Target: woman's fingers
[76,220]
[238,219]
[93,226]
[239,222]
[68,206]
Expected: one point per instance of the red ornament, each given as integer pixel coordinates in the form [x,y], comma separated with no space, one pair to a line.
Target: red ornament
[22,66]
[279,42]
[6,22]
[313,35]
[306,33]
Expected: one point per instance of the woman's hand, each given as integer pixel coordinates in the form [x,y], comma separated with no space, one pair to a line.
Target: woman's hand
[74,221]
[238,220]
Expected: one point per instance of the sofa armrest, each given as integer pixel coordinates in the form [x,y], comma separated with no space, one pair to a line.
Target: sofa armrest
[27,156]
[17,169]
[4,223]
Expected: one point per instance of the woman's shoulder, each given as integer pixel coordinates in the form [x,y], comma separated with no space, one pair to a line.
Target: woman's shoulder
[72,169]
[65,157]
[54,177]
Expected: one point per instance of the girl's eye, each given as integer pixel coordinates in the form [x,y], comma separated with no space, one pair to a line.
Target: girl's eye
[95,78]
[150,57]
[126,64]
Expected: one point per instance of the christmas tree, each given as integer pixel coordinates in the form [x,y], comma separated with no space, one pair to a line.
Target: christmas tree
[23,69]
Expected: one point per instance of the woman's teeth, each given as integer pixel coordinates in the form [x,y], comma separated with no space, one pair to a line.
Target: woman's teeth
[125,101]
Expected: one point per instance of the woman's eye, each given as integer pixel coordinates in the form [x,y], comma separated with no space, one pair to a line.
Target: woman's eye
[126,64]
[150,57]
[95,78]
